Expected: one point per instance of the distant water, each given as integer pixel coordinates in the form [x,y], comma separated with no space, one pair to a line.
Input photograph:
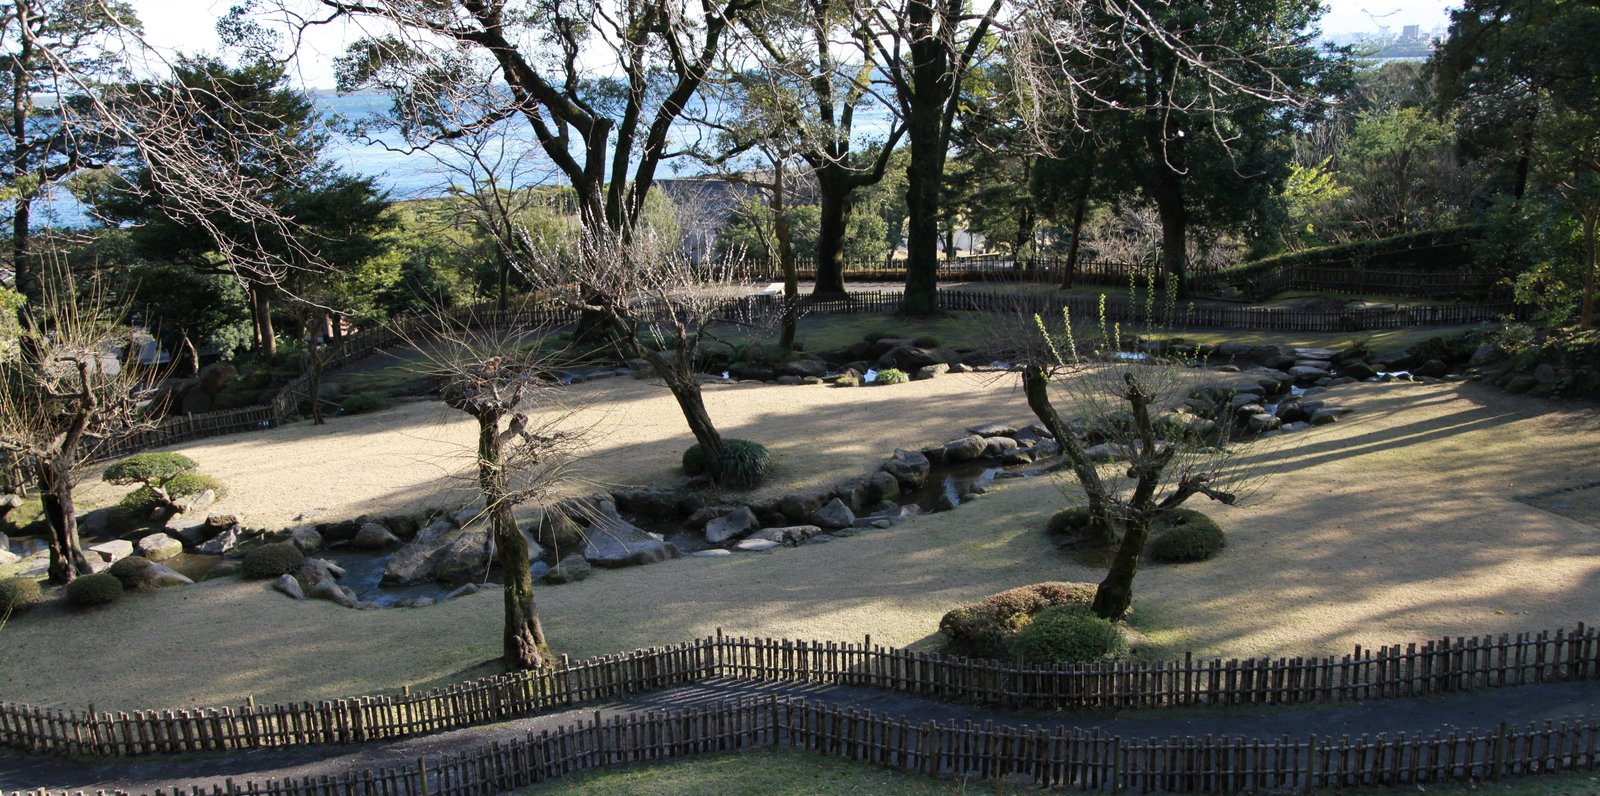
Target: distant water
[419,175]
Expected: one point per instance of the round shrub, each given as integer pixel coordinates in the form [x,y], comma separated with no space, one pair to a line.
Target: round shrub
[193,484]
[1189,536]
[926,341]
[135,572]
[362,402]
[97,589]
[984,629]
[271,560]
[1069,634]
[1070,521]
[745,464]
[891,376]
[17,594]
[694,460]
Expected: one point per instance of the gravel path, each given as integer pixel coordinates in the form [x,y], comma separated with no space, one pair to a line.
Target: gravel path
[1482,710]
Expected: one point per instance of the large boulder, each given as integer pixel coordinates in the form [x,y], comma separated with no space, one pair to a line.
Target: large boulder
[222,542]
[791,536]
[334,593]
[652,501]
[882,486]
[805,367]
[373,536]
[1305,374]
[731,526]
[965,449]
[1357,369]
[217,376]
[910,468]
[467,557]
[834,515]
[194,505]
[288,585]
[159,547]
[305,537]
[1263,422]
[907,358]
[797,507]
[571,569]
[112,551]
[414,562]
[615,543]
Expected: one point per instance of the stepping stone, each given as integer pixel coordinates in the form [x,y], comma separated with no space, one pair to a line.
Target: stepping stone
[756,545]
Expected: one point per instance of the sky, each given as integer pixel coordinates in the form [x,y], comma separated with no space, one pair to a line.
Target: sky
[188,26]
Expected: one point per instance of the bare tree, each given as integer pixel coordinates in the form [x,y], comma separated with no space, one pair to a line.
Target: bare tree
[63,394]
[500,377]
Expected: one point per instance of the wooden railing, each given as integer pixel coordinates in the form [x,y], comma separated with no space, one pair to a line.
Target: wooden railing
[1442,666]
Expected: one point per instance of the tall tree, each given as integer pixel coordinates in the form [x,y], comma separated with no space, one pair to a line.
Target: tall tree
[273,136]
[55,53]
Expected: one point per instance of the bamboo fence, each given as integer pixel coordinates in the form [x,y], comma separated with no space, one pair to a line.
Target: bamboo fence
[1442,666]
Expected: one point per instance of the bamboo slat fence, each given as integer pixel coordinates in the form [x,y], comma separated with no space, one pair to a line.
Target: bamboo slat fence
[1056,758]
[1441,666]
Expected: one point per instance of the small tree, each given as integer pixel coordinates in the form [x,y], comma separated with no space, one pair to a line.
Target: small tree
[152,472]
[62,394]
[494,375]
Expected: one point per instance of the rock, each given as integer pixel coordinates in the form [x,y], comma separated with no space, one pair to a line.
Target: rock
[288,585]
[222,542]
[910,468]
[1432,369]
[306,538]
[615,543]
[465,558]
[7,557]
[965,449]
[934,454]
[796,507]
[164,576]
[464,516]
[1315,353]
[1323,417]
[195,401]
[216,376]
[226,568]
[315,571]
[1292,411]
[373,536]
[996,446]
[755,545]
[1248,410]
[704,515]
[882,486]
[1303,374]
[1263,422]
[930,371]
[112,551]
[1018,456]
[1104,452]
[650,500]
[414,562]
[1483,355]
[731,526]
[908,358]
[834,515]
[461,591]
[1232,351]
[159,547]
[805,367]
[334,593]
[993,430]
[571,569]
[715,552]
[195,505]
[1299,425]
[1358,370]
[945,502]
[791,536]
[854,494]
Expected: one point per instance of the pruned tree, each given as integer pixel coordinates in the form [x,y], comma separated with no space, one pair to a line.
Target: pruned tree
[64,394]
[501,378]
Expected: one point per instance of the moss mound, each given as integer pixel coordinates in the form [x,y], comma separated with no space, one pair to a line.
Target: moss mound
[135,572]
[1189,536]
[100,588]
[985,629]
[18,594]
[1069,634]
[271,560]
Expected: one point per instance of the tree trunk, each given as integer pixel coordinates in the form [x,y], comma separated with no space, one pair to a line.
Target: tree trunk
[524,640]
[317,360]
[791,281]
[1076,245]
[1586,313]
[1115,594]
[931,83]
[55,493]
[833,196]
[261,305]
[194,355]
[1036,386]
[1174,232]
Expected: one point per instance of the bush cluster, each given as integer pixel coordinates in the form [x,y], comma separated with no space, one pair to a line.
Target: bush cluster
[745,464]
[363,402]
[17,594]
[892,376]
[1189,536]
[100,588]
[135,572]
[271,560]
[985,628]
[171,472]
[1069,634]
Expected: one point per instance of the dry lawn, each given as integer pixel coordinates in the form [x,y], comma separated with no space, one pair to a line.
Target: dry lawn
[1399,523]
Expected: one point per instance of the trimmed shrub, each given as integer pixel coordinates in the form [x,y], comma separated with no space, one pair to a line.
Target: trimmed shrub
[271,560]
[694,460]
[1189,536]
[195,483]
[1069,634]
[745,464]
[97,589]
[363,402]
[926,341]
[17,594]
[135,572]
[984,629]
[1070,521]
[891,376]
[149,468]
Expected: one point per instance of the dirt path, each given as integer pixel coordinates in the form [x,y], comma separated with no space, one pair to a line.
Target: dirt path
[1483,710]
